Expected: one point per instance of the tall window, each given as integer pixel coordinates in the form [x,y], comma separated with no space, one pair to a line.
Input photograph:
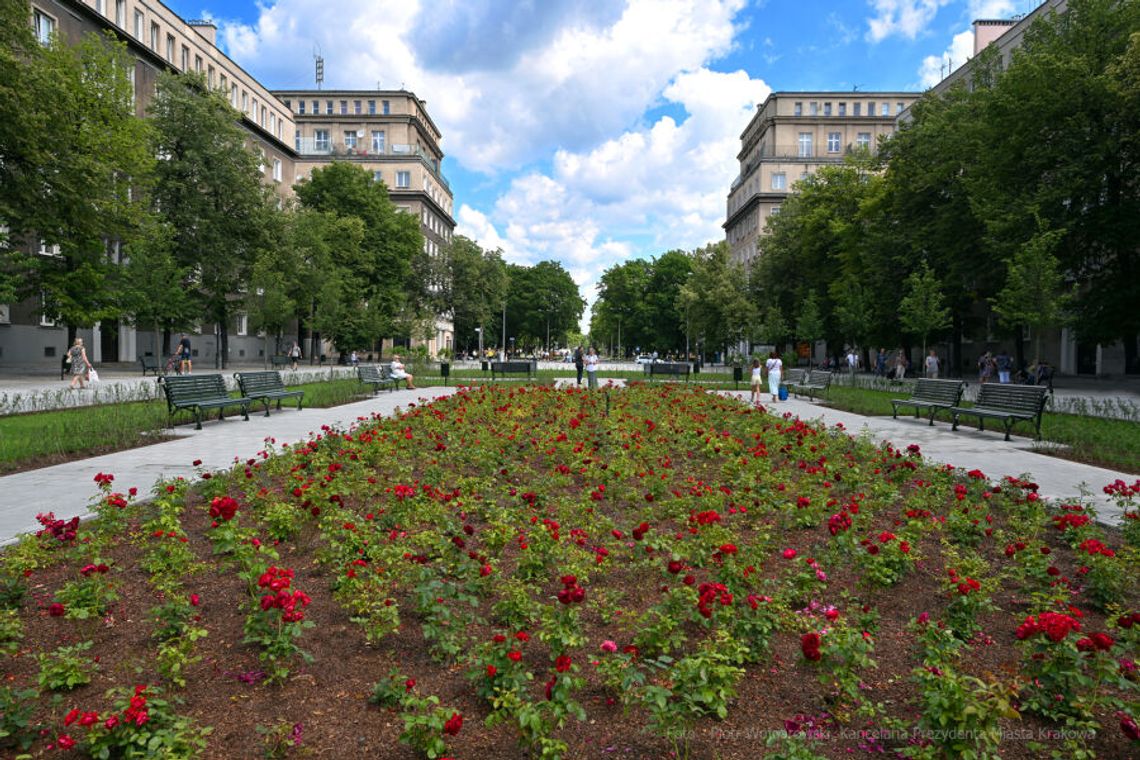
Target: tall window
[858,109]
[805,144]
[139,26]
[842,109]
[328,107]
[121,13]
[210,77]
[372,108]
[297,141]
[170,48]
[863,140]
[316,107]
[385,107]
[356,107]
[101,7]
[832,142]
[827,109]
[378,141]
[223,85]
[44,26]
[242,324]
[344,107]
[871,108]
[813,108]
[185,58]
[350,139]
[245,101]
[377,176]
[779,181]
[233,95]
[154,36]
[300,106]
[799,109]
[886,109]
[403,179]
[899,107]
[272,121]
[277,169]
[198,63]
[321,140]
[131,79]
[261,121]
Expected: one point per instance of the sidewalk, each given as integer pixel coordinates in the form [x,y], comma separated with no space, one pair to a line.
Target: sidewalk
[969,449]
[68,489]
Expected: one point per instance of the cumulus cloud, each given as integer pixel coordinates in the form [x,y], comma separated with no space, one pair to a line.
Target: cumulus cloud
[990,9]
[937,67]
[906,18]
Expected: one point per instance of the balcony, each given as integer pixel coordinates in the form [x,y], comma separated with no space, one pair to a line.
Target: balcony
[308,146]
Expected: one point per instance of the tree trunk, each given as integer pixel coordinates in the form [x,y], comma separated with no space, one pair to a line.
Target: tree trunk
[1131,365]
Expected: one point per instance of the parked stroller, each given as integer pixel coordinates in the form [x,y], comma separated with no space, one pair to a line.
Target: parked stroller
[174,364]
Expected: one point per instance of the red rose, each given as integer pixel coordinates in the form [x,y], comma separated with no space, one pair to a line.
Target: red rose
[56,610]
[65,741]
[809,644]
[562,663]
[453,724]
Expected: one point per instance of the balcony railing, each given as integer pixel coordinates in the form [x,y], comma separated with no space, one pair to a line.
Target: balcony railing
[308,146]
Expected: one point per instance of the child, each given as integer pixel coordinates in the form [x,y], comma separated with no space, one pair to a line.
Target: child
[757,381]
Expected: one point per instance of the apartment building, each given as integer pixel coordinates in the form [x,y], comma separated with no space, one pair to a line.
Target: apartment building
[789,138]
[389,134]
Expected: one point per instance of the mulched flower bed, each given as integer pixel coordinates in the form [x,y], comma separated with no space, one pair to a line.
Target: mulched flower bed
[527,572]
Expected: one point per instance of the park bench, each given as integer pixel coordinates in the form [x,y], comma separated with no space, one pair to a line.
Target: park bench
[815,381]
[279,361]
[931,394]
[377,375]
[200,393]
[150,364]
[793,377]
[266,387]
[674,369]
[1008,403]
[513,368]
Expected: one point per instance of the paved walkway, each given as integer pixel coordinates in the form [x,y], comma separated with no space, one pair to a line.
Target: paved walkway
[68,489]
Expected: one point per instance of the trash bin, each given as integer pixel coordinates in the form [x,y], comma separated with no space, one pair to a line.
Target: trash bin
[737,375]
[783,392]
[696,368]
[484,366]
[445,371]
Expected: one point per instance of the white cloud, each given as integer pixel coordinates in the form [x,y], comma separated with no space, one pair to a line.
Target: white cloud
[990,9]
[937,67]
[906,18]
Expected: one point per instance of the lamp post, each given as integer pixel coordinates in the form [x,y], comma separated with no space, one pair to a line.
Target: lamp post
[480,331]
[503,335]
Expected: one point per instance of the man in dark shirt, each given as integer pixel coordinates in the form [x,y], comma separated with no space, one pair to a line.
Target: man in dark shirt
[184,354]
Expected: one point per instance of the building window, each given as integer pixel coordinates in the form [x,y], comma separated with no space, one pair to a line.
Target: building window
[827,109]
[344,108]
[297,141]
[154,36]
[134,93]
[814,108]
[263,112]
[223,85]
[799,109]
[233,95]
[301,107]
[328,107]
[244,101]
[356,107]
[198,63]
[871,108]
[886,109]
[277,169]
[832,142]
[185,58]
[842,109]
[372,108]
[377,176]
[775,211]
[779,181]
[139,26]
[385,107]
[242,325]
[863,140]
[316,107]
[350,139]
[273,123]
[321,140]
[44,26]
[378,141]
[403,179]
[170,48]
[899,107]
[101,7]
[210,77]
[805,145]
[858,109]
[121,13]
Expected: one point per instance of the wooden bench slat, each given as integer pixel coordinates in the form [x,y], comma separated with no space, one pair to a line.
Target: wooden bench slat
[377,375]
[813,380]
[931,394]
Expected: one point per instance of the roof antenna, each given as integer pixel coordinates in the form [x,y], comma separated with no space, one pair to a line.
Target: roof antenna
[319,62]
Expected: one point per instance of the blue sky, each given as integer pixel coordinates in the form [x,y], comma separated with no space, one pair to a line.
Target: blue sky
[592,131]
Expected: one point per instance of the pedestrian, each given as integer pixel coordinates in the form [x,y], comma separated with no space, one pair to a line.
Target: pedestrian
[399,373]
[353,359]
[985,367]
[80,367]
[592,369]
[1004,364]
[881,363]
[185,354]
[775,368]
[852,363]
[757,382]
[932,365]
[899,371]
[295,355]
[579,362]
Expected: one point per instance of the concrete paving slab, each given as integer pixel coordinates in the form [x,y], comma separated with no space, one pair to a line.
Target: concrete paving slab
[69,489]
[970,449]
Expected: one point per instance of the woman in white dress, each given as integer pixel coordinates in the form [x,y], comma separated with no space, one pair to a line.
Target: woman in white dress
[775,369]
[400,373]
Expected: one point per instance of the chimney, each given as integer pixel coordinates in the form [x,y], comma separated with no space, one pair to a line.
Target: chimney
[207,29]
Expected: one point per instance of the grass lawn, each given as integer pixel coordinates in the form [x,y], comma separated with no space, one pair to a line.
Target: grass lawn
[1110,443]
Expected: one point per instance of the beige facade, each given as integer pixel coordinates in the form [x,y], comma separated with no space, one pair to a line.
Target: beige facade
[389,134]
[789,138]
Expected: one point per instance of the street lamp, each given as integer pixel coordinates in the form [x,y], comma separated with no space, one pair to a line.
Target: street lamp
[480,331]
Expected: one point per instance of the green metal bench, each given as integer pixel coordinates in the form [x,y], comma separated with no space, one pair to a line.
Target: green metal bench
[1008,403]
[514,368]
[377,375]
[932,395]
[266,386]
[150,364]
[279,361]
[676,369]
[200,393]
[815,381]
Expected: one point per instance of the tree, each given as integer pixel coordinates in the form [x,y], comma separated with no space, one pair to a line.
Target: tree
[809,324]
[620,310]
[721,311]
[74,194]
[153,289]
[208,189]
[391,240]
[1032,296]
[541,297]
[921,312]
[477,289]
[852,310]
